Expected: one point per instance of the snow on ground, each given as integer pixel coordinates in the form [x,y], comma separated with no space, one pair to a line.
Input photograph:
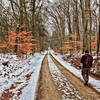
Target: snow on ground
[95,83]
[69,92]
[29,91]
[20,77]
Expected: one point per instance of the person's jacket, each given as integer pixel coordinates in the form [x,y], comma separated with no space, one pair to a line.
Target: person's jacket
[83,59]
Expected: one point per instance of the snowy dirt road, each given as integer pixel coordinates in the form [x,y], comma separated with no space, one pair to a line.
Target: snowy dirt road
[57,83]
[46,88]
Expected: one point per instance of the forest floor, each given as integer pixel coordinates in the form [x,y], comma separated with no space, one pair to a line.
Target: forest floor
[43,76]
[57,83]
[19,77]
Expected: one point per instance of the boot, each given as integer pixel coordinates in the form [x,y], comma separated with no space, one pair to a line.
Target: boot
[86,83]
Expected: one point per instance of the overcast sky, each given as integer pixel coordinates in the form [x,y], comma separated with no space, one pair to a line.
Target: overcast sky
[6,3]
[51,0]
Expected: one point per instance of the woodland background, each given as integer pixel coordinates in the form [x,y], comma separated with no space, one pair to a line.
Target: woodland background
[67,26]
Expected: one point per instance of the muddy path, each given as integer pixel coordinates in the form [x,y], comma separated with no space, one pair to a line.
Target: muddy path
[87,91]
[46,89]
[57,83]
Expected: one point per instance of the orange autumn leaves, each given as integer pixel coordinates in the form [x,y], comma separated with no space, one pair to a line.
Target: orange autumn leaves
[25,42]
[94,43]
[73,45]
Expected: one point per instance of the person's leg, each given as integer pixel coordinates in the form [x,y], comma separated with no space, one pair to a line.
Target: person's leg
[85,75]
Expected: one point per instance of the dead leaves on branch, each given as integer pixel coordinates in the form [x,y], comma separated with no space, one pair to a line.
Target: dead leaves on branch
[25,41]
[73,45]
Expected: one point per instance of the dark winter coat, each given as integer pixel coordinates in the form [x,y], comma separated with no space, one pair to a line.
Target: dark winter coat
[83,59]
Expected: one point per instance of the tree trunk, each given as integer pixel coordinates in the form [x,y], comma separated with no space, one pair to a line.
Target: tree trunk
[16,41]
[98,36]
[77,22]
[26,15]
[69,20]
[33,14]
[90,32]
[21,13]
[85,35]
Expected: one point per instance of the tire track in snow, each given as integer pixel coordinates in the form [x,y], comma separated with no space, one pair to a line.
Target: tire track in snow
[68,91]
[46,89]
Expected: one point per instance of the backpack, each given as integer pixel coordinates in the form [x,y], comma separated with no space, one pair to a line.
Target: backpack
[88,61]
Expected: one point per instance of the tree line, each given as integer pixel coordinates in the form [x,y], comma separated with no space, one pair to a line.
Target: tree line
[31,14]
[75,25]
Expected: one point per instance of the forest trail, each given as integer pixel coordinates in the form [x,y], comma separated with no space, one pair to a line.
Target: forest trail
[46,87]
[57,83]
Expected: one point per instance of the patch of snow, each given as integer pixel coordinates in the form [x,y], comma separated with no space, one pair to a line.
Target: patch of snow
[15,75]
[29,91]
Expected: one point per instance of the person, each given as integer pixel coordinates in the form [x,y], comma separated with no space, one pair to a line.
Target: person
[86,61]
